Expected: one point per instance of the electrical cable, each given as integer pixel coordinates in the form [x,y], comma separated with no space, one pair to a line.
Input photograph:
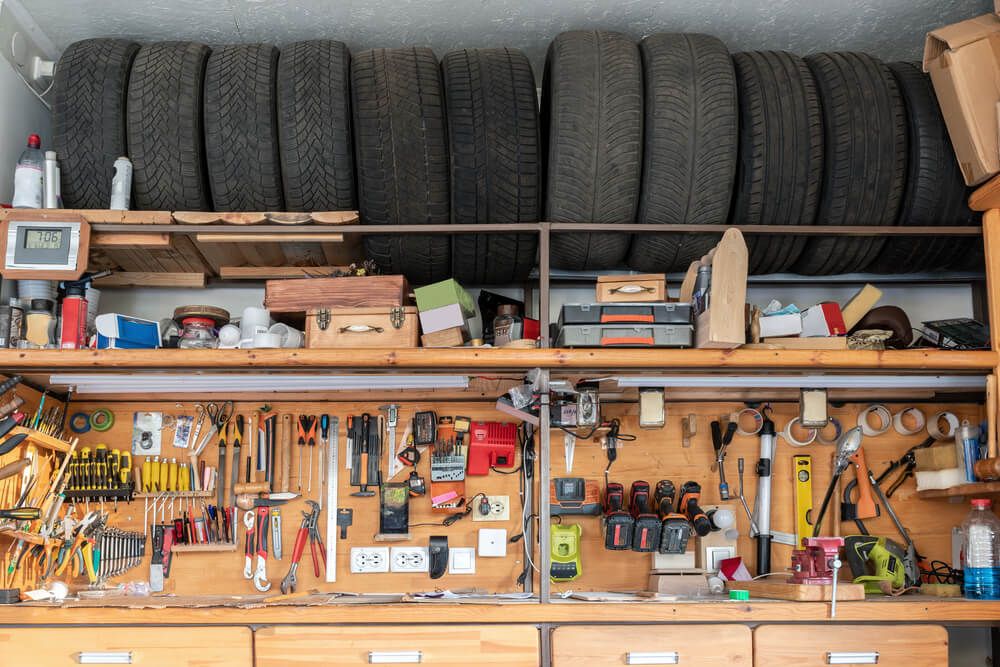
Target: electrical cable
[40,96]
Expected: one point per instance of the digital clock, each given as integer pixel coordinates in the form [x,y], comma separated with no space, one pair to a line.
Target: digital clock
[44,245]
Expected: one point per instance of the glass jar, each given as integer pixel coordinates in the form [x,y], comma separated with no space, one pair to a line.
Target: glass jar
[507,325]
[198,333]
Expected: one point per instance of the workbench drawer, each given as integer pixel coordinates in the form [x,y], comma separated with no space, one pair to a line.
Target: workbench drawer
[444,644]
[885,645]
[694,645]
[145,646]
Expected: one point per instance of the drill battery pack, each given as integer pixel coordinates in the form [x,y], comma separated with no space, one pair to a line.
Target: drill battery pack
[646,534]
[617,523]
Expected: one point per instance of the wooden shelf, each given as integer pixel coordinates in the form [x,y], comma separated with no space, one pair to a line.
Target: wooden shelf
[478,359]
[961,491]
[43,440]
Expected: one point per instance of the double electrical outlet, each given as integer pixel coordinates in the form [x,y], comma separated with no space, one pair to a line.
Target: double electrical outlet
[374,560]
[499,509]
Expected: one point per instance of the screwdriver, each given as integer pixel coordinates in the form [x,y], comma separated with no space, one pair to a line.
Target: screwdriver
[22,513]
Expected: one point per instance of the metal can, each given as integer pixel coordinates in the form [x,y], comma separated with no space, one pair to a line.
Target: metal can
[121,185]
[16,331]
[4,326]
[702,287]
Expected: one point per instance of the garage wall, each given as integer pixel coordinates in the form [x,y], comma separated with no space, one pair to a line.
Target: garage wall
[20,114]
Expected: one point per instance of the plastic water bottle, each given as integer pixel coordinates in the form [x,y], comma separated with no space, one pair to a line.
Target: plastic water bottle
[981,552]
[28,188]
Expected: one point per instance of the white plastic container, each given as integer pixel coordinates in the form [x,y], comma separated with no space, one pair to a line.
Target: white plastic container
[29,188]
[981,552]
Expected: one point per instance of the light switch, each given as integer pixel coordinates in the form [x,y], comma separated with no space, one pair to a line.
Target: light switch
[461,560]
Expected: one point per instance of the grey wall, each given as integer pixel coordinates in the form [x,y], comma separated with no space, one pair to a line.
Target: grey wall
[891,29]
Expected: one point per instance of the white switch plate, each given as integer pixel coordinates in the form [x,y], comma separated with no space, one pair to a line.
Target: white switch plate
[461,560]
[492,542]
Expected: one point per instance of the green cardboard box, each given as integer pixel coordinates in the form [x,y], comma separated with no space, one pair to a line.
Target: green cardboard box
[443,294]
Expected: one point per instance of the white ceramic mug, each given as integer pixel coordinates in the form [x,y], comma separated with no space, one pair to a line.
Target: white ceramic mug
[291,338]
[254,321]
[266,340]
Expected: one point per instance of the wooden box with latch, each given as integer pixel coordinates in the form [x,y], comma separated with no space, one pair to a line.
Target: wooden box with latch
[396,326]
[641,288]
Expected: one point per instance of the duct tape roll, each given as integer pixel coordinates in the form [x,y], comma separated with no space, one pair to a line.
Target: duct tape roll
[79,422]
[102,420]
[758,421]
[883,414]
[792,440]
[917,417]
[837,430]
[934,425]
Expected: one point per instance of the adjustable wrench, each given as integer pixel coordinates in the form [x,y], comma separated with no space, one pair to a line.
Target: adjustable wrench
[260,581]
[251,542]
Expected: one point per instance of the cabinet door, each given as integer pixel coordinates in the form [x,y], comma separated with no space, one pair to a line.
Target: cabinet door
[144,646]
[451,645]
[885,645]
[695,645]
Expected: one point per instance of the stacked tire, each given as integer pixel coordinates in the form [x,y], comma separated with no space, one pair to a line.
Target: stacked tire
[674,130]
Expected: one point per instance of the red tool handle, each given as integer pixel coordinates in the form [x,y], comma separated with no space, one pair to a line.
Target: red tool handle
[317,548]
[300,544]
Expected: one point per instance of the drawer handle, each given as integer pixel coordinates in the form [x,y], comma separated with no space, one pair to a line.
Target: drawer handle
[663,658]
[394,657]
[633,289]
[104,658]
[360,328]
[852,658]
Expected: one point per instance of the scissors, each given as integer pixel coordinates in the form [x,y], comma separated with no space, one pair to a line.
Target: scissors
[220,414]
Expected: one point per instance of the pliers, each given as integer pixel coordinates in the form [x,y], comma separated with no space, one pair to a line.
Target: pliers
[307,531]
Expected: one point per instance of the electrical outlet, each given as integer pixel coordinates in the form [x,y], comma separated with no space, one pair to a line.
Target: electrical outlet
[365,560]
[499,509]
[409,559]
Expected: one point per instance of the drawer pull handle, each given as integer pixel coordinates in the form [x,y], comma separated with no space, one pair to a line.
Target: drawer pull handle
[633,289]
[360,328]
[663,658]
[852,658]
[104,658]
[394,657]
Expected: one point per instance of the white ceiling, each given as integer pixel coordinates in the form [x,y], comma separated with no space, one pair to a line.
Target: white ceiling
[891,29]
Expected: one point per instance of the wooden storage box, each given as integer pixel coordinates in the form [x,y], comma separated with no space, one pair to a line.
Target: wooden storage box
[451,337]
[723,324]
[299,295]
[362,327]
[632,289]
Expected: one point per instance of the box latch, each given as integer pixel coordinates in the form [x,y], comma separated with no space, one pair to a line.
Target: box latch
[397,317]
[323,318]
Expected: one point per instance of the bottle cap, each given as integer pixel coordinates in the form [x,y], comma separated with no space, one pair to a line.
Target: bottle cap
[982,503]
[741,596]
[34,141]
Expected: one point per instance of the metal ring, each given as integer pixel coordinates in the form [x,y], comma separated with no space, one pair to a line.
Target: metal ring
[838,429]
[79,422]
[757,417]
[885,419]
[102,419]
[786,433]
[918,416]
[934,430]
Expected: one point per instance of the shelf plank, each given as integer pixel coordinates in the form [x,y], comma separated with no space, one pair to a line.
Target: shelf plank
[152,279]
[43,440]
[961,491]
[450,359]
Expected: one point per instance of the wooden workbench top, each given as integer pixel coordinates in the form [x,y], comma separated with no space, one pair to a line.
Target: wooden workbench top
[911,609]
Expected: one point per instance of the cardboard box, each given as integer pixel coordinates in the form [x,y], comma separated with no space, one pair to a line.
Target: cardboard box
[823,320]
[687,585]
[439,319]
[445,293]
[453,337]
[789,324]
[963,60]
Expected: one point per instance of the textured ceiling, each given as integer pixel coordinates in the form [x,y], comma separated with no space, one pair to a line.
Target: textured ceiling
[890,29]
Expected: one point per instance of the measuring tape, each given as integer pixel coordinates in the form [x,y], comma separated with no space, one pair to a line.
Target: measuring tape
[802,467]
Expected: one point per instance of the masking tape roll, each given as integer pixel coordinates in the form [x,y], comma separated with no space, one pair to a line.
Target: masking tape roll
[934,425]
[792,440]
[884,416]
[918,419]
[837,430]
[758,421]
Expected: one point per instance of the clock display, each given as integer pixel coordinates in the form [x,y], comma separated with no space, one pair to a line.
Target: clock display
[43,239]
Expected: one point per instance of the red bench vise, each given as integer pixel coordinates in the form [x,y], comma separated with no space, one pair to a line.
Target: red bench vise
[813,563]
[491,444]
